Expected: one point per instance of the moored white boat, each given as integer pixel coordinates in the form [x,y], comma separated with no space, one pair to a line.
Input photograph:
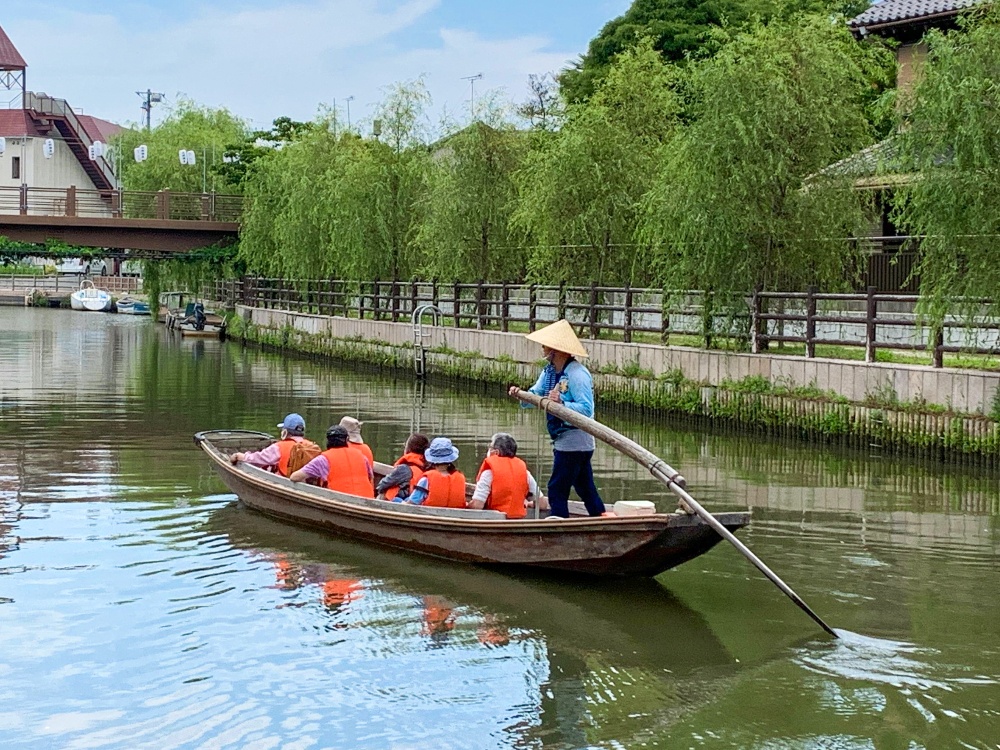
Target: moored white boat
[89,297]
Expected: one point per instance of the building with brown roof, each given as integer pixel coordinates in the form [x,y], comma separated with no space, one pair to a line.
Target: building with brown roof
[32,119]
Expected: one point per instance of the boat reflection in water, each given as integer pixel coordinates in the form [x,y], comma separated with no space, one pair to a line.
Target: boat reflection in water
[626,650]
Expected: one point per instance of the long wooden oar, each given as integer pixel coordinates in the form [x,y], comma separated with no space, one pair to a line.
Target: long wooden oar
[662,471]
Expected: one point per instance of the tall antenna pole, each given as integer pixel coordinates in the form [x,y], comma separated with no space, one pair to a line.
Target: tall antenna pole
[472,95]
[349,100]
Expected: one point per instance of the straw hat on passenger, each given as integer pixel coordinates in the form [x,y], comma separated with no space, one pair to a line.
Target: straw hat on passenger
[559,336]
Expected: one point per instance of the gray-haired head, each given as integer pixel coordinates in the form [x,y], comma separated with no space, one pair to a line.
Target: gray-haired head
[505,445]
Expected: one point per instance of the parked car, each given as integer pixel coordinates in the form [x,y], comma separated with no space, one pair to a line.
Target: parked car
[95,267]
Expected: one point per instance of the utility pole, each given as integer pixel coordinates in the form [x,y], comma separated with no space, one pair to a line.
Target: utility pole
[149,98]
[472,97]
[349,100]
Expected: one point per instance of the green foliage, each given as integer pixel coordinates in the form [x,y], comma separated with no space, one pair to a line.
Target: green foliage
[680,28]
[332,204]
[239,157]
[580,189]
[206,131]
[738,201]
[953,142]
[465,228]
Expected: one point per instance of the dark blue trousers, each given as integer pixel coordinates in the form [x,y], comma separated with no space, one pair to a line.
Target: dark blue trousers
[573,469]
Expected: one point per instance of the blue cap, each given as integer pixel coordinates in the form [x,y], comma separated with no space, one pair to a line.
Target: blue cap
[295,424]
[441,451]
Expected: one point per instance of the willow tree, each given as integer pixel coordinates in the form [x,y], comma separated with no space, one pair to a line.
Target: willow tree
[285,227]
[952,145]
[204,130]
[741,198]
[580,189]
[465,229]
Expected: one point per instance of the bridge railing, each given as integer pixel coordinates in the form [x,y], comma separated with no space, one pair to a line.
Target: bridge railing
[120,204]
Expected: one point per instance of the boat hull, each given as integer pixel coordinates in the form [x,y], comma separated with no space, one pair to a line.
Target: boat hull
[606,546]
[90,300]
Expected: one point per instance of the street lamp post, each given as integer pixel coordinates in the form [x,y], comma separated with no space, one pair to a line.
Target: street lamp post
[349,100]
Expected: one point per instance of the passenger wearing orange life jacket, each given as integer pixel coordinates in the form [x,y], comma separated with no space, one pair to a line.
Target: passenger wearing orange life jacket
[399,483]
[275,456]
[443,485]
[340,467]
[353,428]
[504,482]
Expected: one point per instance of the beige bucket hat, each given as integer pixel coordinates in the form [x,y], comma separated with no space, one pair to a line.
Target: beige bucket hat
[353,427]
[559,336]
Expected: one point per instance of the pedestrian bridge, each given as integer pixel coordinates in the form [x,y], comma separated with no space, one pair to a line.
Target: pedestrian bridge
[137,224]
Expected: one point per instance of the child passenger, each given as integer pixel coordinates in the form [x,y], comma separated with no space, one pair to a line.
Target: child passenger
[442,486]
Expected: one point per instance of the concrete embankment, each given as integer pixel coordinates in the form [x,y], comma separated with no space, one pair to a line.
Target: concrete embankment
[906,408]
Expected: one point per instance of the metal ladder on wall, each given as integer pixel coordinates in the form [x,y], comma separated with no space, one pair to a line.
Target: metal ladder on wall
[419,334]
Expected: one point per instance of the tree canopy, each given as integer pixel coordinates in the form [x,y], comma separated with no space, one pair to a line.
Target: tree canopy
[679,28]
[739,198]
[952,145]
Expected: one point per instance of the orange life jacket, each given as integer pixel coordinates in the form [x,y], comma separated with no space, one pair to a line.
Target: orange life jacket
[416,463]
[365,450]
[510,485]
[348,472]
[445,490]
[284,451]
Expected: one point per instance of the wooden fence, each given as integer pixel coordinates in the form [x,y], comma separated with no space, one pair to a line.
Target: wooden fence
[120,204]
[871,320]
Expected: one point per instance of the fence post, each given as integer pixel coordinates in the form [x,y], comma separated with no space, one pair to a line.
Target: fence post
[593,310]
[413,296]
[480,308]
[561,301]
[71,200]
[755,321]
[23,199]
[707,318]
[504,306]
[811,322]
[394,295]
[532,307]
[871,310]
[628,314]
[456,306]
[664,317]
[163,204]
[938,344]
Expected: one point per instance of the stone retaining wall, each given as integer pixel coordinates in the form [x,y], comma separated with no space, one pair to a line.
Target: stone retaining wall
[964,391]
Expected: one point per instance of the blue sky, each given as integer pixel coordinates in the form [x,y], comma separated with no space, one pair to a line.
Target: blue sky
[263,59]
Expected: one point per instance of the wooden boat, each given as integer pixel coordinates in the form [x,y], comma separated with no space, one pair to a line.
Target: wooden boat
[607,546]
[194,321]
[89,297]
[132,306]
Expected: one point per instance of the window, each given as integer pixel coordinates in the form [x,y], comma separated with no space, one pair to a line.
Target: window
[15,167]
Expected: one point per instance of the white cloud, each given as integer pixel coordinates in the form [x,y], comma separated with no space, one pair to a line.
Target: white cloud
[263,63]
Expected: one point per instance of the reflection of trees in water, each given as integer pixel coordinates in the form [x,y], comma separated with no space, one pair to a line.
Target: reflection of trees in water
[581,641]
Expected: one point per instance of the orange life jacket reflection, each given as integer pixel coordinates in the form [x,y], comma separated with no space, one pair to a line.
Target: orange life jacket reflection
[445,490]
[285,452]
[348,472]
[509,487]
[339,591]
[416,463]
[439,616]
[287,575]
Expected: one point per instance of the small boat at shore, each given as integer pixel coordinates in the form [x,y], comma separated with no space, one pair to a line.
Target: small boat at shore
[132,306]
[634,545]
[90,298]
[195,321]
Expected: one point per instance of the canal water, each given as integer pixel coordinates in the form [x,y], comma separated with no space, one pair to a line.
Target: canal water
[143,606]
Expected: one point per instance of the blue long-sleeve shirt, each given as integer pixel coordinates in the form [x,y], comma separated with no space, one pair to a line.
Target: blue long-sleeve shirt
[576,390]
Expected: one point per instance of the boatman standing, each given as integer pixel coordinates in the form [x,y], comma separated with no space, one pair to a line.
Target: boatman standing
[565,381]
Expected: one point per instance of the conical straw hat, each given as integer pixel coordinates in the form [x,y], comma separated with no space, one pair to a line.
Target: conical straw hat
[558,336]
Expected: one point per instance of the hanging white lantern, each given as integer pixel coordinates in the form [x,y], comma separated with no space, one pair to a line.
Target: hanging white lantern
[183,156]
[49,148]
[3,144]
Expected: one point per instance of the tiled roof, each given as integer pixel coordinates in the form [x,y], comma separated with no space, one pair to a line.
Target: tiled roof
[891,12]
[98,129]
[10,58]
[16,122]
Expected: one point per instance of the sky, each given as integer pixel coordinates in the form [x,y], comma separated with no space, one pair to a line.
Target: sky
[263,59]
